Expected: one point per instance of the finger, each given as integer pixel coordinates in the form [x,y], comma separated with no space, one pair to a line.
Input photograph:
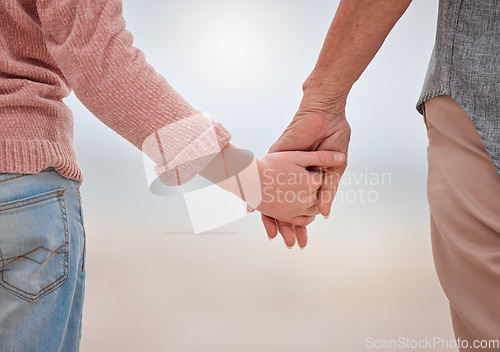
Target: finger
[312,210]
[314,179]
[301,235]
[302,220]
[270,226]
[287,232]
[326,193]
[323,158]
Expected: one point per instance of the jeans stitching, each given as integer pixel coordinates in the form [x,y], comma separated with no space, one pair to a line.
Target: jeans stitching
[57,281]
[66,232]
[43,289]
[83,227]
[13,259]
[22,175]
[30,203]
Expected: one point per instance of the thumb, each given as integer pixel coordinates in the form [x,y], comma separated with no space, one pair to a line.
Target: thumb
[322,158]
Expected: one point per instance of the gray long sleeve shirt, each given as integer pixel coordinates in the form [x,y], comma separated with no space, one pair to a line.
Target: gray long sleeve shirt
[465,65]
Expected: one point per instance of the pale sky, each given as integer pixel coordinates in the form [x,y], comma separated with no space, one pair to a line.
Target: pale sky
[245,62]
[367,271]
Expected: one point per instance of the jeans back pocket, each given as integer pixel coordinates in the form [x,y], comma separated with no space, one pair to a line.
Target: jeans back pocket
[34,244]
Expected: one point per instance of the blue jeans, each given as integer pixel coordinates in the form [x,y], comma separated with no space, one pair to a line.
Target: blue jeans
[42,251]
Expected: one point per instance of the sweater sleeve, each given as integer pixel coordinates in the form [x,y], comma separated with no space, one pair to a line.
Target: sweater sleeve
[88,41]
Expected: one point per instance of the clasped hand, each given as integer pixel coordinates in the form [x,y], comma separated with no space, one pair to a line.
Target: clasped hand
[316,127]
[290,182]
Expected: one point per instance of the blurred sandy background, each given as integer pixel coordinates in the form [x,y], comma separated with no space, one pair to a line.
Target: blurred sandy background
[367,271]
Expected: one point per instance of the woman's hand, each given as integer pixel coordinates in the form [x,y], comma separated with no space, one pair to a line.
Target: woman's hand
[289,188]
[316,126]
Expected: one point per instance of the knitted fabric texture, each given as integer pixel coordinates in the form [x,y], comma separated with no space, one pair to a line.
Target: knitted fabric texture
[50,47]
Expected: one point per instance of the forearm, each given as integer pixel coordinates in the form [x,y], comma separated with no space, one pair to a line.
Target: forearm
[357,32]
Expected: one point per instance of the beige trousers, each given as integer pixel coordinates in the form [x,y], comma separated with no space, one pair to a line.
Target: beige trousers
[464,198]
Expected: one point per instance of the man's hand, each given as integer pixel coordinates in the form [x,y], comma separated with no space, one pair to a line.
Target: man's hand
[282,185]
[357,31]
[313,128]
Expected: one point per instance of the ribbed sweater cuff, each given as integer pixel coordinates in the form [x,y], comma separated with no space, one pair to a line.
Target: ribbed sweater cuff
[182,149]
[195,157]
[33,156]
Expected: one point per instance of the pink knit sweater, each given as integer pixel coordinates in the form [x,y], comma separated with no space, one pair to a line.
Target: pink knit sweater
[50,47]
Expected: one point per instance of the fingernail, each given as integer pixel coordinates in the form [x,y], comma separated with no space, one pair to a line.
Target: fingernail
[289,247]
[302,247]
[270,238]
[326,216]
[339,157]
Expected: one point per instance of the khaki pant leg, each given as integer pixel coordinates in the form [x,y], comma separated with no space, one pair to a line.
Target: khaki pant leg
[464,198]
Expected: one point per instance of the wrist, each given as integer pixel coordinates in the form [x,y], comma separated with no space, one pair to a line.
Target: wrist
[239,173]
[267,184]
[323,97]
[327,108]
